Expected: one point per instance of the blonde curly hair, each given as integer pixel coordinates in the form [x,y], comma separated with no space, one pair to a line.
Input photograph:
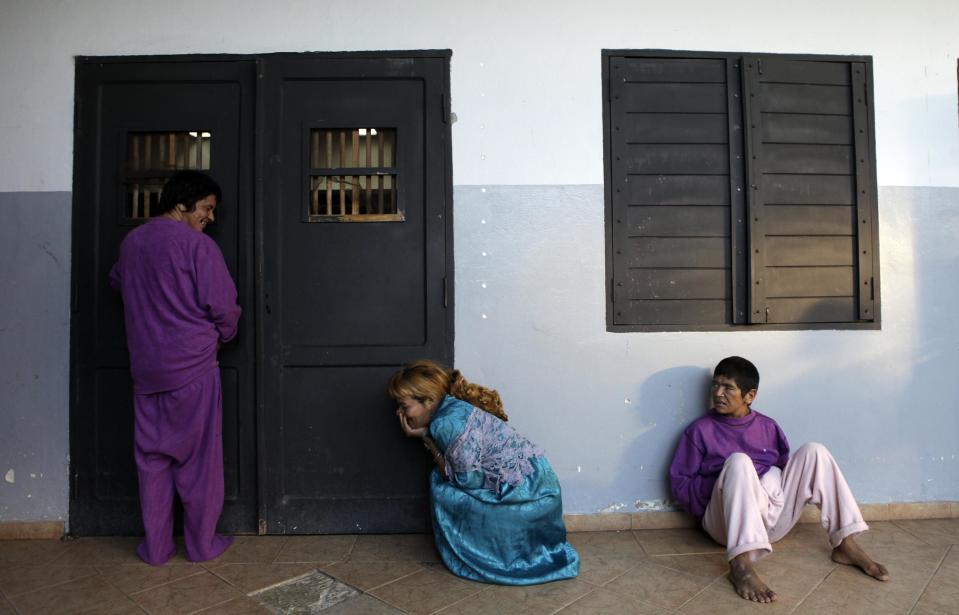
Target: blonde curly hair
[427,381]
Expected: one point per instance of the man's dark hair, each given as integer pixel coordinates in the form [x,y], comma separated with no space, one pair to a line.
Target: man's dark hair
[186,188]
[741,371]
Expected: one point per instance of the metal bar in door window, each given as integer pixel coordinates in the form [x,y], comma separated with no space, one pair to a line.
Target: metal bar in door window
[355,209]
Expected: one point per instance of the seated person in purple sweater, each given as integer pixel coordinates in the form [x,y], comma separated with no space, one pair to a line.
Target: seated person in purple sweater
[732,468]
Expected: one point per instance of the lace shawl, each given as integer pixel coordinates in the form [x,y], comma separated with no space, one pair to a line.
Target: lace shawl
[490,445]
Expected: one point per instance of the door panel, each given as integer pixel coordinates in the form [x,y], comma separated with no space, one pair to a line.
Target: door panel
[347,302]
[153,101]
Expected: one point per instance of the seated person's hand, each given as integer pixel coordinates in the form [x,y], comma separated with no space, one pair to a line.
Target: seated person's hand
[410,431]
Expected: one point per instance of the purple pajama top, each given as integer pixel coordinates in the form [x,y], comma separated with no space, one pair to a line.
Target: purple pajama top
[709,441]
[178,302]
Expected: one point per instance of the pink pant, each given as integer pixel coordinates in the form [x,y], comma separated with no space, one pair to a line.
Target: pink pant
[747,513]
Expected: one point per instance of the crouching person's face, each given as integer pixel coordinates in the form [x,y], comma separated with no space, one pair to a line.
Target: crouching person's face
[728,399]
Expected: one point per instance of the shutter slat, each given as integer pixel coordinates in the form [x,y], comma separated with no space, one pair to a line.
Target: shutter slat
[695,70]
[677,190]
[819,129]
[810,251]
[809,159]
[804,71]
[678,159]
[675,128]
[811,220]
[677,284]
[658,221]
[809,281]
[796,98]
[674,97]
[688,252]
[809,189]
[673,312]
[828,309]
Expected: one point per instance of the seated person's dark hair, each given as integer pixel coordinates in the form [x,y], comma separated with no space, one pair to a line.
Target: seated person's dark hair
[741,371]
[186,187]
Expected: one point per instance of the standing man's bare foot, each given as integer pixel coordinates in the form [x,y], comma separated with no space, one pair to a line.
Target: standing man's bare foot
[746,582]
[851,554]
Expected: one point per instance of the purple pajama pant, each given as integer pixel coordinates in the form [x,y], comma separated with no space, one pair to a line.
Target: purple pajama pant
[178,445]
[748,513]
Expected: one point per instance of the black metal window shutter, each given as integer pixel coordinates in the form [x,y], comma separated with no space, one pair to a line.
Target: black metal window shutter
[740,190]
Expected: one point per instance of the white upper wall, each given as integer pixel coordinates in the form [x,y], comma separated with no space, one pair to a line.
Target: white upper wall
[526,82]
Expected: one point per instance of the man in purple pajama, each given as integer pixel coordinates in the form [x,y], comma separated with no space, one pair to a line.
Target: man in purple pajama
[179,305]
[732,468]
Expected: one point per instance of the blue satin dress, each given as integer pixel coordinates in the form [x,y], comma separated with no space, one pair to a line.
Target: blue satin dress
[501,520]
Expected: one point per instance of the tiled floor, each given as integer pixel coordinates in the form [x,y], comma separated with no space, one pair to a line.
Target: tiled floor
[651,571]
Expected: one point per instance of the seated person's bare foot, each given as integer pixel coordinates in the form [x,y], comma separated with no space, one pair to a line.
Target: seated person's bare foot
[746,582]
[851,554]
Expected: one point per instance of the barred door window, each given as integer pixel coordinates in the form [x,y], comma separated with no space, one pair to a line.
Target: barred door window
[151,158]
[740,191]
[353,175]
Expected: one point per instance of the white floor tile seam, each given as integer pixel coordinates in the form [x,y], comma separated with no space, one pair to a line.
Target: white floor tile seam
[813,590]
[159,585]
[925,587]
[448,608]
[10,596]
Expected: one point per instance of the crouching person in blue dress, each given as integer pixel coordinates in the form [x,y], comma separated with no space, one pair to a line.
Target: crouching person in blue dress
[495,500]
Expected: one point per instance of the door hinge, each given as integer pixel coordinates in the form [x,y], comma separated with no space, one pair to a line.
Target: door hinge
[612,291]
[872,289]
[444,108]
[759,65]
[261,527]
[75,298]
[446,293]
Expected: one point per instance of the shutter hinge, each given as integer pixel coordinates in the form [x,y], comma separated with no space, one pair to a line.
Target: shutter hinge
[445,293]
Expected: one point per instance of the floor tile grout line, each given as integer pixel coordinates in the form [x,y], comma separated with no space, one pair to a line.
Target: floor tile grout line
[931,577]
[91,610]
[283,582]
[628,570]
[96,572]
[574,601]
[814,588]
[697,594]
[400,578]
[349,551]
[569,604]
[10,603]
[62,554]
[165,583]
[916,536]
[464,598]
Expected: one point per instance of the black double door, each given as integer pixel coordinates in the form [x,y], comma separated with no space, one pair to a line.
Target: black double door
[335,223]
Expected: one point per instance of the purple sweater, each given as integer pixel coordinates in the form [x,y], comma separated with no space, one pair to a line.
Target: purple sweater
[709,440]
[178,302]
